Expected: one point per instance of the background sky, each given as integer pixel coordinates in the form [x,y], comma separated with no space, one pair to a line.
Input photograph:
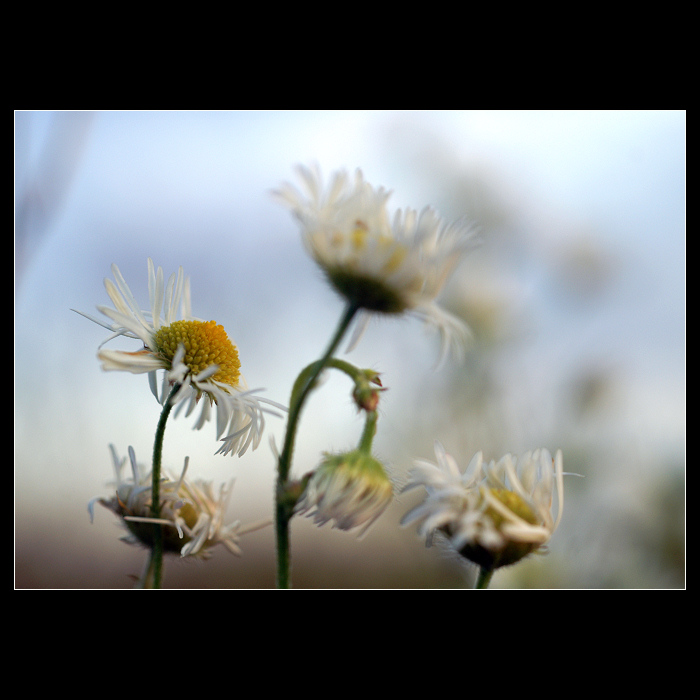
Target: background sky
[576,296]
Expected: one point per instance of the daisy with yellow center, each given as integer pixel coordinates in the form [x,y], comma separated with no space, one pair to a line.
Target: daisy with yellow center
[198,357]
[191,513]
[492,514]
[377,263]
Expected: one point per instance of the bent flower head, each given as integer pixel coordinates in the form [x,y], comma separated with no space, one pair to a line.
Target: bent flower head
[351,489]
[191,513]
[197,356]
[493,514]
[378,263]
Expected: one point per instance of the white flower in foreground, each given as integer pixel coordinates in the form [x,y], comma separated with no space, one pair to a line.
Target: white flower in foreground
[380,264]
[196,355]
[351,489]
[191,513]
[493,514]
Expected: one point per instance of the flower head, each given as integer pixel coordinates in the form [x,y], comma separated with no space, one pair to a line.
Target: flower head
[493,514]
[351,488]
[191,513]
[197,356]
[379,264]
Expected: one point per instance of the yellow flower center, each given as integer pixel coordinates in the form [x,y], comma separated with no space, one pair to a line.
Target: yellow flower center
[172,542]
[205,344]
[362,281]
[514,503]
[385,245]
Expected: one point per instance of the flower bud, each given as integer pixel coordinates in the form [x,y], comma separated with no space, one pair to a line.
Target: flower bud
[352,489]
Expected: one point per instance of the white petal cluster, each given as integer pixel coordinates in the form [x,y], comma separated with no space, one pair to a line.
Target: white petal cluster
[381,263]
[490,506]
[240,419]
[191,512]
[351,490]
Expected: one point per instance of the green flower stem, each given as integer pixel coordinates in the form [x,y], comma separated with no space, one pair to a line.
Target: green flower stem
[353,372]
[302,387]
[484,578]
[368,433]
[156,564]
[146,580]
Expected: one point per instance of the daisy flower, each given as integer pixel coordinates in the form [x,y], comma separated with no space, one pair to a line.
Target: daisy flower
[377,263]
[191,512]
[493,514]
[351,489]
[198,357]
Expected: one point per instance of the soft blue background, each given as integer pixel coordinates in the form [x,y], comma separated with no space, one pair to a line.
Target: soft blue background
[576,296]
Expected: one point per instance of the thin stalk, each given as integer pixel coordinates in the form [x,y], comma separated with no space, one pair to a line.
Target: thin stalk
[146,580]
[300,392]
[484,578]
[156,564]
[368,433]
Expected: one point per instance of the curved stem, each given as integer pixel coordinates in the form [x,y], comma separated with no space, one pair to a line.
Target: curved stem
[302,388]
[368,433]
[156,565]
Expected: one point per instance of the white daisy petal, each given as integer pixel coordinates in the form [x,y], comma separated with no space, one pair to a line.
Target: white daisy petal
[207,374]
[494,514]
[190,511]
[351,489]
[380,265]
[155,292]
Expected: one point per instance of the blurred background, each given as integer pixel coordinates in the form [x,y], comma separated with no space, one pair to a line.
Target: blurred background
[576,297]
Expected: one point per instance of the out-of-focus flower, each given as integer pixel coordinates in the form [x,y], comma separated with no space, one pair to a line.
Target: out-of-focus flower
[493,514]
[351,489]
[190,512]
[196,355]
[380,264]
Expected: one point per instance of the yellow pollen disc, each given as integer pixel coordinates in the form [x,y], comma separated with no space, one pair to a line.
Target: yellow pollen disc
[514,503]
[206,344]
[359,235]
[393,251]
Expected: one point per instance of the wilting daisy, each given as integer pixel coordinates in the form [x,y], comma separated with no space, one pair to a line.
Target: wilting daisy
[351,489]
[191,512]
[493,514]
[197,356]
[377,263]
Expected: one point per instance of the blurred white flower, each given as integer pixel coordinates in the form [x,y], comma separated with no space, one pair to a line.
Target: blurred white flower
[493,514]
[380,265]
[196,355]
[351,489]
[190,512]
